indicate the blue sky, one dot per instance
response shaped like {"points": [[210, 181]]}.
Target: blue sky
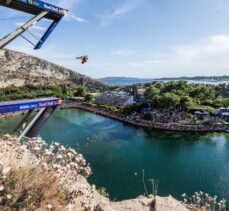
{"points": [[135, 38]]}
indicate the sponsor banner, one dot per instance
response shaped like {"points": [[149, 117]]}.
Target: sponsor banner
{"points": [[45, 6], [42, 104], [49, 103], [53, 8], [24, 107], [29, 106]]}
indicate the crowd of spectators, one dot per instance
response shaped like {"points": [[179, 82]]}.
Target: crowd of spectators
{"points": [[165, 121], [167, 116], [175, 116]]}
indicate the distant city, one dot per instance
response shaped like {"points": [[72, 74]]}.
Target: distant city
{"points": [[197, 79]]}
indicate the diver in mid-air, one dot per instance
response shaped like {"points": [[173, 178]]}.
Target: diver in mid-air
{"points": [[84, 59]]}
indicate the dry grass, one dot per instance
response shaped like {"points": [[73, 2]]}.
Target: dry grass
{"points": [[31, 189]]}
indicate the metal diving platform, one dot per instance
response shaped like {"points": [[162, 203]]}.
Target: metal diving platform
{"points": [[30, 125], [40, 10]]}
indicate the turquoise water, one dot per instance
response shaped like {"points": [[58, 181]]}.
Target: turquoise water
{"points": [[118, 153]]}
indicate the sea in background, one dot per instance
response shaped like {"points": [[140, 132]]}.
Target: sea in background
{"points": [[118, 153], [130, 81]]}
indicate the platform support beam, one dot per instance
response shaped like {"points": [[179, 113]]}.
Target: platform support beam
{"points": [[47, 34], [10, 37], [31, 128], [40, 122], [31, 124], [23, 122]]}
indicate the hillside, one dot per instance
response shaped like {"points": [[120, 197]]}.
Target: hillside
{"points": [[20, 69]]}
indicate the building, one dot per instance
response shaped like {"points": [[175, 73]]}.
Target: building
{"points": [[115, 99]]}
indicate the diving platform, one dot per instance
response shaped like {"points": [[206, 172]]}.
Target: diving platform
{"points": [[40, 10], [34, 7], [21, 105], [30, 125]]}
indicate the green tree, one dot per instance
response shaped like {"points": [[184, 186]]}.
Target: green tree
{"points": [[151, 93], [65, 91], [57, 91], [202, 92], [80, 92], [186, 101], [159, 85], [88, 97], [169, 100], [221, 102]]}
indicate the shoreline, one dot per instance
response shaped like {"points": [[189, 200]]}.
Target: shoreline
{"points": [[9, 115], [174, 127]]}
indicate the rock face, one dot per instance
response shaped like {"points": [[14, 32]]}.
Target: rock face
{"points": [[19, 69]]}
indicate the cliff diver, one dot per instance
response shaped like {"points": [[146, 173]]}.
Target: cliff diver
{"points": [[84, 59]]}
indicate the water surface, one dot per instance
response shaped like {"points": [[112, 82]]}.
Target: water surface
{"points": [[118, 153]]}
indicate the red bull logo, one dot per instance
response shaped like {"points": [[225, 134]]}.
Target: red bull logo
{"points": [[42, 104], [49, 103], [54, 9]]}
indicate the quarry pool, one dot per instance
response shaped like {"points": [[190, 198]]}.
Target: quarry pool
{"points": [[118, 153]]}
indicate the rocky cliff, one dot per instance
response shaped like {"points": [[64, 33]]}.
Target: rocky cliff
{"points": [[19, 69]]}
